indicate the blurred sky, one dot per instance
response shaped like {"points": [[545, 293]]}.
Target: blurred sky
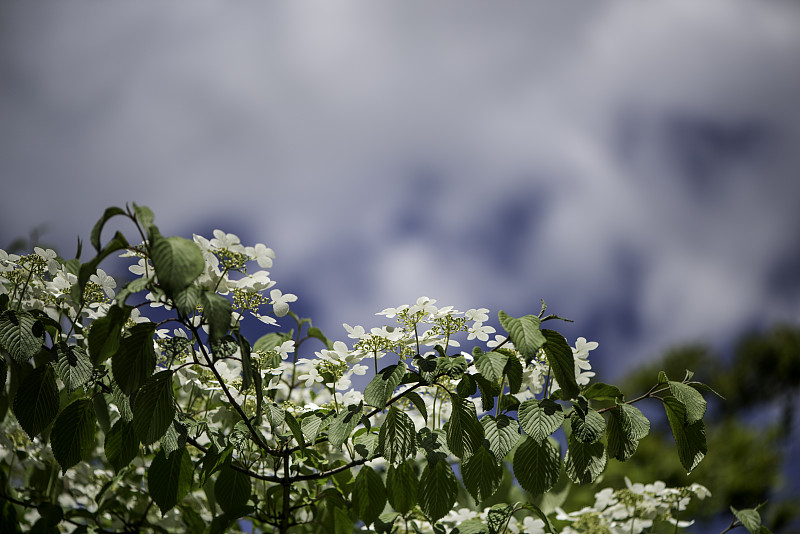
{"points": [[634, 164]]}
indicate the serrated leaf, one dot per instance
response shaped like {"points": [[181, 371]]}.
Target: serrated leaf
{"points": [[690, 438], [397, 437], [749, 518], [365, 443], [562, 363], [464, 431], [585, 461], [213, 461], [72, 437], [691, 399], [419, 404], [587, 426], [217, 311], [73, 366], [144, 216], [482, 474], [232, 489], [502, 433], [497, 517], [489, 390], [154, 408], [188, 299], [369, 495], [176, 260], [105, 333], [539, 419], [491, 365], [344, 424], [36, 401], [21, 335], [524, 333], [94, 237], [122, 402], [311, 425], [626, 426], [402, 486], [601, 391], [174, 438], [537, 465], [513, 373], [135, 359], [383, 385], [131, 288], [276, 414], [121, 445], [438, 489], [169, 478]]}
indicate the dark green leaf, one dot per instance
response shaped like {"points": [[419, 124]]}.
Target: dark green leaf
{"points": [[690, 438], [344, 424], [587, 426], [188, 299], [269, 341], [513, 372], [365, 443], [177, 261], [402, 486], [600, 391], [232, 489], [105, 333], [144, 216], [585, 461], [382, 386], [118, 242], [438, 489], [72, 437], [369, 495], [491, 365], [98, 226], [562, 363], [464, 431], [626, 426], [502, 433], [217, 311], [312, 424], [397, 436], [169, 478], [524, 333], [317, 333], [482, 474], [489, 390], [73, 366], [692, 400], [537, 465], [154, 408], [36, 402], [135, 359], [539, 419], [121, 444], [21, 335], [466, 387], [419, 404], [174, 438], [213, 461]]}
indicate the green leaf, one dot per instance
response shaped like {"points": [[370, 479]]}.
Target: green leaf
{"points": [[482, 474], [402, 486], [365, 443], [438, 489], [749, 518], [188, 299], [397, 436], [135, 359], [464, 431], [489, 390], [502, 433], [73, 366], [118, 242], [385, 522], [169, 478], [213, 461], [369, 495], [269, 341], [105, 333], [626, 426], [131, 288], [537, 465], [72, 437], [491, 365], [36, 402], [344, 424], [562, 363], [587, 426], [600, 391], [121, 444], [315, 332], [21, 335], [177, 261], [154, 408], [382, 386], [217, 311], [497, 517], [342, 522], [232, 489], [419, 404], [692, 400], [513, 372], [94, 238], [144, 215], [585, 461], [471, 526], [690, 438], [276, 415], [174, 438], [539, 419], [122, 402], [312, 424], [524, 333], [466, 386]]}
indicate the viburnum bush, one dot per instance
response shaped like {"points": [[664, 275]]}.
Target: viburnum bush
{"points": [[144, 408]]}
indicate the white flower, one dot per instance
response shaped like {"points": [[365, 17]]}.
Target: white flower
{"points": [[392, 312], [105, 282], [533, 526], [604, 498], [359, 369], [354, 332], [497, 341], [285, 348], [582, 347], [424, 305], [477, 315], [352, 397], [228, 241], [311, 377], [257, 281], [280, 301], [262, 254], [480, 331], [49, 256]]}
